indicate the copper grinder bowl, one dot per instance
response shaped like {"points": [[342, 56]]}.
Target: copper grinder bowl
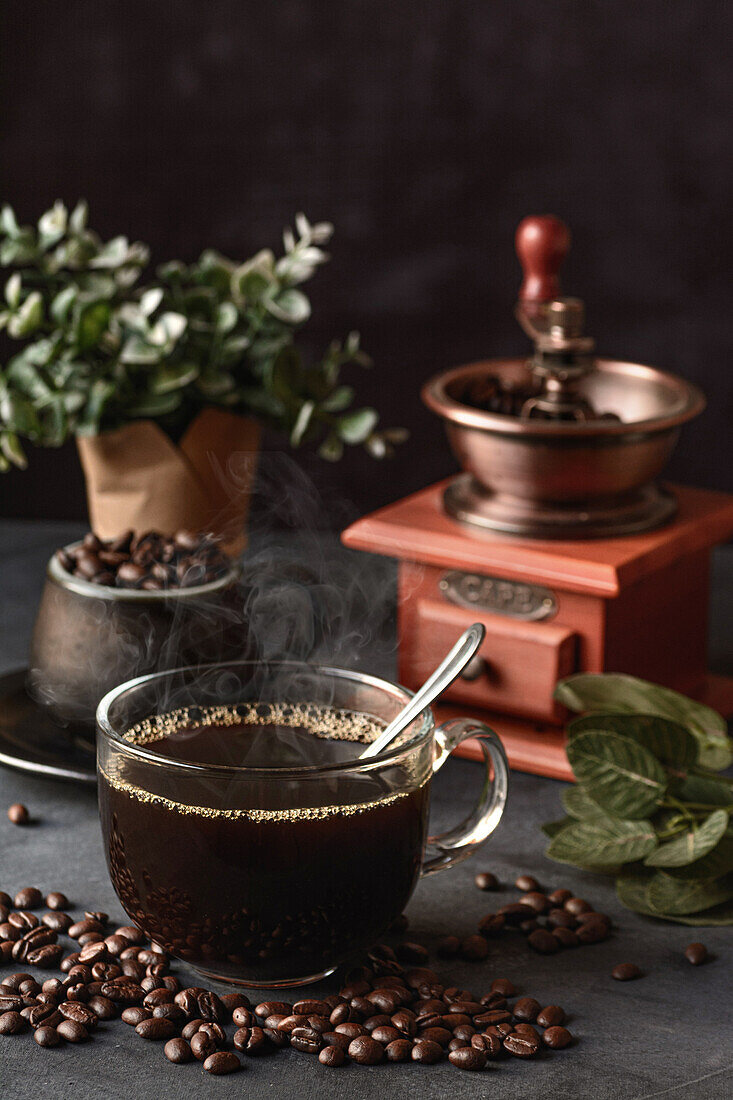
{"points": [[571, 466]]}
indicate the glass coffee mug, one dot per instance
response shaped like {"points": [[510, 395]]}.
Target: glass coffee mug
{"points": [[244, 834]]}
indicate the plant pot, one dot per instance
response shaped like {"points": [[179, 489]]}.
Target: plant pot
{"points": [[138, 478]]}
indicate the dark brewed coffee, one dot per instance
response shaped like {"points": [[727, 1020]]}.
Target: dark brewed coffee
{"points": [[272, 876]]}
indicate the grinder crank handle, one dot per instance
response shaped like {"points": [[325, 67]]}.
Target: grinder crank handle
{"points": [[542, 242]]}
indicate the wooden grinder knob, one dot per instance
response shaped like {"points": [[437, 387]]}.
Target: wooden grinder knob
{"points": [[542, 242]]}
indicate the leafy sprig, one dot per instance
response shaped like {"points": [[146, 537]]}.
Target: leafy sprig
{"points": [[649, 805], [99, 347]]}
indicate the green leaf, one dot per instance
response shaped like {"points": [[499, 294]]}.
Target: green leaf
{"points": [[552, 828], [226, 316], [621, 776], [668, 895], [631, 889], [136, 350], [701, 791], [692, 845], [79, 215], [614, 693], [302, 423], [62, 304], [52, 225], [670, 742], [13, 289], [603, 844], [150, 301], [357, 426], [27, 318], [339, 400], [291, 306], [12, 450], [8, 224], [173, 376], [579, 803], [91, 324], [716, 863], [332, 448], [154, 405]]}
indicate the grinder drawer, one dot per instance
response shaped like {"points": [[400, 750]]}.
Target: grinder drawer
{"points": [[515, 670]]}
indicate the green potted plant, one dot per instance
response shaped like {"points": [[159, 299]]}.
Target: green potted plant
{"points": [[166, 381]]}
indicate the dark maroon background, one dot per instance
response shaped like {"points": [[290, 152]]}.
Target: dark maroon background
{"points": [[425, 131]]}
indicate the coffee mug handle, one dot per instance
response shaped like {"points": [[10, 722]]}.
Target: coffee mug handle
{"points": [[459, 842]]}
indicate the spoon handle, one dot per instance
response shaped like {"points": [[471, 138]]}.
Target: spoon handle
{"points": [[444, 675]]}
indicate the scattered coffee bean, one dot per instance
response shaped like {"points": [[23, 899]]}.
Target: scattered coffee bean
{"points": [[560, 896], [366, 1051], [178, 1051], [557, 1038], [72, 1031], [527, 1009], [28, 898], [18, 814], [156, 1029], [57, 900], [626, 972], [47, 1036], [503, 986], [332, 1056], [425, 1051], [526, 882], [543, 942], [149, 561], [467, 1058], [413, 953], [474, 948], [223, 1061], [696, 953], [485, 880], [521, 1045], [12, 1023], [577, 906], [551, 1016], [449, 947]]}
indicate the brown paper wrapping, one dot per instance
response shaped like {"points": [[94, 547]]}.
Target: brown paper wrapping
{"points": [[137, 478]]}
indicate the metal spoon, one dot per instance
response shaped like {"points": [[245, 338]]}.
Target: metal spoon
{"points": [[444, 675]]}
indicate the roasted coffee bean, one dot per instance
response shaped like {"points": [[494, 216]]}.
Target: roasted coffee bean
{"points": [[385, 1034], [117, 946], [216, 1032], [123, 992], [566, 937], [132, 969], [440, 1035], [352, 1030], [577, 906], [489, 1043], [467, 1058], [242, 1017], [41, 1014], [26, 922], [77, 992], [224, 1061], [626, 972], [29, 987], [449, 947], [93, 952], [474, 948], [405, 1022], [6, 951], [485, 880], [332, 1038], [12, 1023], [72, 1031], [135, 1015], [28, 898], [11, 1002], [178, 1051], [557, 1037], [560, 896], [83, 926], [57, 900], [202, 1045], [250, 1040], [276, 1038], [593, 931], [495, 1016], [102, 1007], [399, 1050], [593, 918], [696, 953], [340, 1015], [311, 1008], [526, 1009], [516, 912], [536, 900], [78, 973], [412, 953], [132, 934], [271, 1008], [89, 937], [528, 926], [234, 1000], [285, 1023], [526, 882], [18, 814], [521, 1045], [464, 1032], [306, 1039], [543, 942], [156, 1029], [158, 997], [361, 1007], [551, 1016], [81, 1013], [425, 1051], [47, 1036], [59, 922], [191, 1028], [170, 1012], [366, 1051], [332, 1056], [9, 932], [385, 1000], [97, 915], [503, 986], [560, 918], [106, 972]]}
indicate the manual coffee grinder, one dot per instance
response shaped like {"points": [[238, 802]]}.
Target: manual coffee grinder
{"points": [[556, 536]]}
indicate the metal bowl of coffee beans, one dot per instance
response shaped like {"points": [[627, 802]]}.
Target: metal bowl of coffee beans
{"points": [[113, 609]]}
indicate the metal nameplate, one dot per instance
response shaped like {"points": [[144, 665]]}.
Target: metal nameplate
{"points": [[515, 599]]}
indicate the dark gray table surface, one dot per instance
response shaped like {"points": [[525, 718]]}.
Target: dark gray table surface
{"points": [[668, 1034]]}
